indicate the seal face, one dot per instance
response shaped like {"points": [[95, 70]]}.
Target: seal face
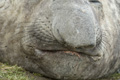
{"points": [[61, 39], [67, 26]]}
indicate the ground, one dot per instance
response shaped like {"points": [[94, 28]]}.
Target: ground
{"points": [[8, 72]]}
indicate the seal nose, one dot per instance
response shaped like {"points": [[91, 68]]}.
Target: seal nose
{"points": [[75, 28], [76, 32]]}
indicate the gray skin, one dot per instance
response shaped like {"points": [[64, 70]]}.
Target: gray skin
{"points": [[61, 39]]}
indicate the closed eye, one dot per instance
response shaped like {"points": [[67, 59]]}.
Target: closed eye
{"points": [[94, 1]]}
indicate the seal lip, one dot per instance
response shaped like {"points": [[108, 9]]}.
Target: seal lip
{"points": [[41, 53]]}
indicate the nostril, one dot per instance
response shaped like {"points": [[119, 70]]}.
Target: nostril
{"points": [[86, 47], [90, 46]]}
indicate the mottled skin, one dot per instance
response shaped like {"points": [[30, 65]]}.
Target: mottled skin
{"points": [[61, 39]]}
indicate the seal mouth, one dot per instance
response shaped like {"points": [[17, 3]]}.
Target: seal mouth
{"points": [[41, 53]]}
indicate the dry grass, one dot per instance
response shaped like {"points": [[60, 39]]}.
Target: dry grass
{"points": [[12, 73]]}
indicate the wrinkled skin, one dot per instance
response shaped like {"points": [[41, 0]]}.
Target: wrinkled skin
{"points": [[61, 39]]}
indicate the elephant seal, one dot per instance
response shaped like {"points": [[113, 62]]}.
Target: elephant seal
{"points": [[61, 39]]}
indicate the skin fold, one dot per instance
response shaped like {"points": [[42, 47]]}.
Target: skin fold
{"points": [[61, 39]]}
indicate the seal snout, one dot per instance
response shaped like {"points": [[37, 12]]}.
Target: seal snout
{"points": [[76, 30]]}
